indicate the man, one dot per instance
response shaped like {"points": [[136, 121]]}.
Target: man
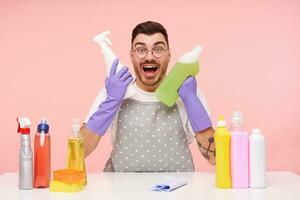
{"points": [[147, 135]]}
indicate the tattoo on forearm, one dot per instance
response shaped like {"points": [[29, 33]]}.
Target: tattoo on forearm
{"points": [[208, 149]]}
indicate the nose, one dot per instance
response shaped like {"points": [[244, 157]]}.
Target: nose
{"points": [[149, 55]]}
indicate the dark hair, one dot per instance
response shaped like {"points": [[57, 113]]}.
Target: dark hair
{"points": [[149, 28]]}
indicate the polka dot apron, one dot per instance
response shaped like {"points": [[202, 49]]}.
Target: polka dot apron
{"points": [[149, 138]]}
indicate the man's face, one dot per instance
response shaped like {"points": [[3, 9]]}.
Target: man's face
{"points": [[149, 69]]}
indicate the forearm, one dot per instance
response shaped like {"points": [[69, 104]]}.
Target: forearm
{"points": [[206, 144], [100, 121], [90, 140]]}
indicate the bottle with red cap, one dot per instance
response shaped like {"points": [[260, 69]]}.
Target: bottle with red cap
{"points": [[25, 155], [42, 155]]}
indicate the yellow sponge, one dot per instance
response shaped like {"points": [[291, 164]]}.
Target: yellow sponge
{"points": [[57, 186], [69, 176]]}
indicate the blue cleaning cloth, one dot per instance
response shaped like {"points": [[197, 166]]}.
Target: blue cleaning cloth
{"points": [[169, 185]]}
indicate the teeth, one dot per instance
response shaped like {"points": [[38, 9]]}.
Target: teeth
{"points": [[150, 67]]}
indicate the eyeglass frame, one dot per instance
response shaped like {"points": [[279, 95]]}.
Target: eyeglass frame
{"points": [[164, 50]]}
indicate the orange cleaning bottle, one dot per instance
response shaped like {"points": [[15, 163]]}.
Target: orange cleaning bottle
{"points": [[42, 156]]}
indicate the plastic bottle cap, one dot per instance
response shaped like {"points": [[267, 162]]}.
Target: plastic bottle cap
{"points": [[43, 120], [221, 122], [256, 131], [198, 49], [75, 127], [237, 117], [43, 127], [191, 56]]}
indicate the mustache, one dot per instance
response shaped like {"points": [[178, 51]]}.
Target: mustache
{"points": [[149, 63]]}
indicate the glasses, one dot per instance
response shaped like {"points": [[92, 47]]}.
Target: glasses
{"points": [[142, 52]]}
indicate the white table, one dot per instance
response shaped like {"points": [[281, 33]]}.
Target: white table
{"points": [[106, 186]]}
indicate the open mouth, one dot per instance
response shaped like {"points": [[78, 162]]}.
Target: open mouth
{"points": [[150, 69]]}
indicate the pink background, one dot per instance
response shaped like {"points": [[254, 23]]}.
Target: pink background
{"points": [[51, 68]]}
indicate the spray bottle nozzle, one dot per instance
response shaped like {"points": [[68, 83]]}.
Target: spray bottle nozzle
{"points": [[75, 127], [102, 37], [23, 125]]}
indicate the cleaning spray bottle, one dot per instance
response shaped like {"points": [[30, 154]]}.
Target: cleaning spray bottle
{"points": [[109, 57], [75, 150], [25, 155], [187, 65], [257, 159], [42, 156], [239, 152], [222, 139]]}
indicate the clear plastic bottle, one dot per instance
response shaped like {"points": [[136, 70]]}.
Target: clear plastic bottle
{"points": [[75, 150], [257, 159], [42, 156], [25, 155], [239, 152]]}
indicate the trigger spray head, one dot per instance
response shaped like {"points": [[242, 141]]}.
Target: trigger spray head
{"points": [[102, 38], [23, 125]]}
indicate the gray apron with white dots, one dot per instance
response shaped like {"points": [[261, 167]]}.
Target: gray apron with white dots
{"points": [[149, 138]]}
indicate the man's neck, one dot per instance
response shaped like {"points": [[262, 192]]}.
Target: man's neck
{"points": [[146, 88]]}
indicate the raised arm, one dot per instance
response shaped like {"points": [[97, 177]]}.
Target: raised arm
{"points": [[199, 119], [98, 123]]}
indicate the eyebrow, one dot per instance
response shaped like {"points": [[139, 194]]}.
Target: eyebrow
{"points": [[140, 43], [159, 42], [156, 43]]}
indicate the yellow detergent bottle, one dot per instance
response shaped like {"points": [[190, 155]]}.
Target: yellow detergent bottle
{"points": [[75, 150], [222, 140]]}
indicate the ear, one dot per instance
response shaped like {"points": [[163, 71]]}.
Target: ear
{"points": [[169, 54], [131, 55]]}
